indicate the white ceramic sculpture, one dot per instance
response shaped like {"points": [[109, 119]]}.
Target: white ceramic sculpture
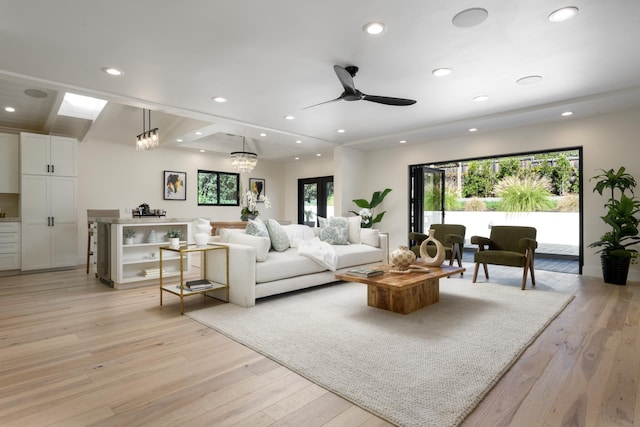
{"points": [[203, 231]]}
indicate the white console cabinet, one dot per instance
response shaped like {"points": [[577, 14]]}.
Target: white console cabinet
{"points": [[9, 246], [139, 260]]}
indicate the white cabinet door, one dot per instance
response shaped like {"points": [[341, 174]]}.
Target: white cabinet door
{"points": [[9, 161], [34, 154], [49, 222], [48, 155]]}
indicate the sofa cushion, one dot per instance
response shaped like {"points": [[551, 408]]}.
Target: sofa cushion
{"points": [[297, 233], [358, 254], [225, 233], [261, 243], [286, 264], [335, 235], [354, 229], [279, 238], [256, 227], [370, 237]]}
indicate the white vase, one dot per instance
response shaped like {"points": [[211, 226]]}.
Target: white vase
{"points": [[438, 258]]}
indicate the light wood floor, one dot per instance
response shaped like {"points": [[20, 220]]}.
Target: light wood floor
{"points": [[75, 352]]}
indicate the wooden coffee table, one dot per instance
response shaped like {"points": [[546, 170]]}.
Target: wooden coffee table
{"points": [[403, 293]]}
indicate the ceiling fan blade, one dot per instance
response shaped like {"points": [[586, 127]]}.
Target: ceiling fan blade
{"points": [[345, 78], [325, 102], [388, 100]]}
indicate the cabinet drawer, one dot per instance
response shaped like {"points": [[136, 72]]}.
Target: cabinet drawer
{"points": [[8, 238], [9, 227], [9, 262], [9, 248]]}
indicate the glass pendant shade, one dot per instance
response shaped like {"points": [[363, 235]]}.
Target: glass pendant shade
{"points": [[148, 139], [244, 161]]}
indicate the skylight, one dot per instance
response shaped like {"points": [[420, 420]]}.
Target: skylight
{"points": [[81, 107]]}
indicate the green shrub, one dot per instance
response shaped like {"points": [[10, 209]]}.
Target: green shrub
{"points": [[568, 203], [526, 194], [475, 205]]}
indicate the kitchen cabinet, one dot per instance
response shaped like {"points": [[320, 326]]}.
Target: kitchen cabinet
{"points": [[9, 163], [9, 246], [49, 222], [48, 155]]}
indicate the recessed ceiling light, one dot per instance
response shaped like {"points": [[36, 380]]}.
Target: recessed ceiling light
{"points": [[219, 99], [296, 158], [470, 17], [198, 133], [9, 109], [202, 151], [529, 80], [441, 72], [179, 140], [341, 131], [567, 114], [481, 98], [298, 142], [263, 134], [563, 14], [403, 141], [473, 129], [112, 71], [289, 117], [373, 28], [318, 155]]}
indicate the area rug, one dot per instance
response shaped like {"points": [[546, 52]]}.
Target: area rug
{"points": [[427, 368]]}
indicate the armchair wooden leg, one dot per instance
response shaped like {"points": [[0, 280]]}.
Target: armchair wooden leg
{"points": [[475, 272], [455, 254], [486, 271]]}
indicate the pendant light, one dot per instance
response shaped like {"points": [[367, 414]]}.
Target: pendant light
{"points": [[148, 139], [244, 161]]}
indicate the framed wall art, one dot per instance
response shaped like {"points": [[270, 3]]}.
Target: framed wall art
{"points": [[175, 185], [257, 186]]}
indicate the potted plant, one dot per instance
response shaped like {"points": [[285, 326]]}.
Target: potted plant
{"points": [[622, 210], [174, 237], [129, 234], [366, 213]]}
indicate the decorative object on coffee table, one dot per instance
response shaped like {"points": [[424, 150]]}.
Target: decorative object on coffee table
{"points": [[438, 258], [402, 258]]}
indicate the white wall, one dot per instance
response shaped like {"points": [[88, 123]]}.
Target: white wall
{"points": [[294, 171]]}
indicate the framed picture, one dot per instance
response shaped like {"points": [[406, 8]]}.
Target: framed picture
{"points": [[175, 185], [218, 188], [257, 187]]}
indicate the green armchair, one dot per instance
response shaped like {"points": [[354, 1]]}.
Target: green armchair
{"points": [[507, 245], [450, 235]]}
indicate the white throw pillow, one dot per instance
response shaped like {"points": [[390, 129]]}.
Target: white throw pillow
{"points": [[262, 244], [279, 239], [225, 233], [297, 233], [354, 229], [369, 236]]}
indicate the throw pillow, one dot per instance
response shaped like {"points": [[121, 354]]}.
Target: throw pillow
{"points": [[262, 244], [225, 233], [257, 228], [279, 239], [322, 222], [335, 235], [370, 237], [354, 229], [297, 233]]}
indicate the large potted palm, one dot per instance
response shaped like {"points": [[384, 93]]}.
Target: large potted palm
{"points": [[615, 252]]}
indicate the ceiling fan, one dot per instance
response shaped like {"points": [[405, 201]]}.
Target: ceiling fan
{"points": [[345, 75]]}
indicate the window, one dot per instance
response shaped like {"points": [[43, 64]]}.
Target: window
{"points": [[218, 188], [315, 198]]}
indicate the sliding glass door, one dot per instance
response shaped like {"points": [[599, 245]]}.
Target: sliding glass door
{"points": [[315, 198]]}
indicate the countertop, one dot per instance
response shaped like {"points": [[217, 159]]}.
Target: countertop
{"points": [[14, 219], [147, 220]]}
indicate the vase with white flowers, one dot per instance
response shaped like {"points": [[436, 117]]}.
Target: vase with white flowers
{"points": [[249, 204], [366, 213]]}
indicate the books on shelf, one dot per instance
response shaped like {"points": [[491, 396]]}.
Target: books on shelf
{"points": [[364, 272], [198, 285]]}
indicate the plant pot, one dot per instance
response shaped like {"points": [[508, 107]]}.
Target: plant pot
{"points": [[174, 242], [615, 269], [128, 240]]}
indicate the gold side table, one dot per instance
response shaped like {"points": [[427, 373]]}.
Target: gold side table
{"points": [[181, 289]]}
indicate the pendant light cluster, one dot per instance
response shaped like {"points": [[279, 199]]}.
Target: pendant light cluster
{"points": [[244, 161], [148, 139]]}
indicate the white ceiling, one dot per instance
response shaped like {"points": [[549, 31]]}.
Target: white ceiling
{"points": [[273, 58]]}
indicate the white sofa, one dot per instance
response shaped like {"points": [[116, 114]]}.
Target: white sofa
{"points": [[284, 271]]}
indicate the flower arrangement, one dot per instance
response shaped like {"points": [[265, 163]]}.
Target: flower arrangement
{"points": [[173, 234], [249, 204], [367, 218]]}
